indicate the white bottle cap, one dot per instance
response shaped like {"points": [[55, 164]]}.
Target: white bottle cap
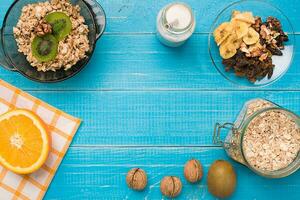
{"points": [[175, 24], [178, 17]]}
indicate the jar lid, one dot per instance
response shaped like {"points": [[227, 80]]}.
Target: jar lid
{"points": [[178, 18]]}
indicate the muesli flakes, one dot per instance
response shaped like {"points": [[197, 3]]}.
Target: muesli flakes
{"points": [[271, 141], [70, 50]]}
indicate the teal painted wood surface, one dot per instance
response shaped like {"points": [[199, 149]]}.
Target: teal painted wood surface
{"points": [[145, 105], [99, 173], [156, 118]]}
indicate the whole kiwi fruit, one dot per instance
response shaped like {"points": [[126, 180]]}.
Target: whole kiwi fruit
{"points": [[221, 179]]}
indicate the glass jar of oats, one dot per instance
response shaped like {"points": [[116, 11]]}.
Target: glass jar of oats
{"points": [[265, 138]]}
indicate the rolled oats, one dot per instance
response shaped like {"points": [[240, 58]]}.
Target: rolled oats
{"points": [[257, 105], [271, 141], [70, 50]]}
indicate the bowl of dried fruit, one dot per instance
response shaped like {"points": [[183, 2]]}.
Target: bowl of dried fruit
{"points": [[50, 40], [252, 43]]}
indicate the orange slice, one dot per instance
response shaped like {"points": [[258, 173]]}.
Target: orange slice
{"points": [[24, 142]]}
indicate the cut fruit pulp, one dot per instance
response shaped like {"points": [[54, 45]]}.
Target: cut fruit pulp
{"points": [[24, 141]]}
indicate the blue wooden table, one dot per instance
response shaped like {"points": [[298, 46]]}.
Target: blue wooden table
{"points": [[149, 106]]}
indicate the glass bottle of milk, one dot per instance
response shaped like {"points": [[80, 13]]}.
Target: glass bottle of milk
{"points": [[175, 24]]}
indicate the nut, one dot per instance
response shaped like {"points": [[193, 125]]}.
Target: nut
{"points": [[43, 28], [193, 171], [136, 179], [170, 186], [27, 28]]}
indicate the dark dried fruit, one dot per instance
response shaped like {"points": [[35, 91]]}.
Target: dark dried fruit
{"points": [[274, 49], [258, 23], [276, 37], [250, 67], [255, 63], [275, 25]]}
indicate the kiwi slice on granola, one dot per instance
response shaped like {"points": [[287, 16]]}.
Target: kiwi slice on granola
{"points": [[61, 24], [44, 48]]}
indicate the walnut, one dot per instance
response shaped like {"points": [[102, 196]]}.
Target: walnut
{"points": [[193, 171], [255, 50], [136, 179], [258, 23], [265, 32], [54, 2], [244, 48], [170, 186], [263, 57], [78, 44], [43, 28]]}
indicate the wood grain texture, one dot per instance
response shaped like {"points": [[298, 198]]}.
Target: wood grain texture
{"points": [[140, 62], [132, 61], [157, 118], [146, 105], [138, 17], [99, 173]]}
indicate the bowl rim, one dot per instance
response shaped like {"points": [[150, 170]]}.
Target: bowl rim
{"points": [[292, 34], [83, 65]]}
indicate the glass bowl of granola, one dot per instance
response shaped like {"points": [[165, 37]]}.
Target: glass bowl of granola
{"points": [[51, 40], [252, 43]]}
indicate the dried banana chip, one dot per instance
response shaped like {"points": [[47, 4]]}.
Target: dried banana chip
{"points": [[227, 50], [245, 17], [222, 32], [251, 37], [235, 13], [240, 28], [233, 39]]}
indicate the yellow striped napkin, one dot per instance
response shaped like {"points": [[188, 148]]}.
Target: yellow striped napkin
{"points": [[62, 128]]}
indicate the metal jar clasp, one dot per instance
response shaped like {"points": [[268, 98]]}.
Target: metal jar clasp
{"points": [[217, 132]]}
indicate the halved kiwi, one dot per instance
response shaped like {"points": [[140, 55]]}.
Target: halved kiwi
{"points": [[61, 24], [44, 49]]}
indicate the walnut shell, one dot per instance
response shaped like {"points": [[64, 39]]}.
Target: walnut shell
{"points": [[136, 179], [170, 186], [193, 171]]}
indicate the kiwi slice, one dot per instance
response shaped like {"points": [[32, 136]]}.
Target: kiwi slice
{"points": [[44, 49], [61, 24]]}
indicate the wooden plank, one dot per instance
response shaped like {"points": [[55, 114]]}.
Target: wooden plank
{"points": [[158, 117], [131, 16], [99, 173], [140, 62]]}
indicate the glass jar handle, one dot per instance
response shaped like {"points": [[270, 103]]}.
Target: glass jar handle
{"points": [[99, 16], [217, 132]]}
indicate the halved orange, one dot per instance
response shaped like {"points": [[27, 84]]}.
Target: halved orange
{"points": [[24, 141]]}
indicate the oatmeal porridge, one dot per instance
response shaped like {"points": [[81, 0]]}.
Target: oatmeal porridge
{"points": [[52, 35]]}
